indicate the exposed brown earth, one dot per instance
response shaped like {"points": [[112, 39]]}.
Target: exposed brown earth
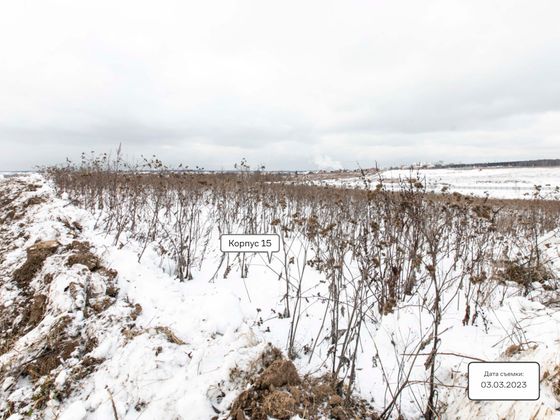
{"points": [[278, 391], [56, 343]]}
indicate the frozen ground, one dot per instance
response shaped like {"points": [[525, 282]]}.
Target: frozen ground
{"points": [[494, 182], [143, 373], [166, 349]]}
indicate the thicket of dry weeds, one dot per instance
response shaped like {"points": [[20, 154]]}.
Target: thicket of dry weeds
{"points": [[374, 248]]}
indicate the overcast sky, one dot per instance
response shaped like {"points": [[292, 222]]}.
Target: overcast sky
{"points": [[290, 84]]}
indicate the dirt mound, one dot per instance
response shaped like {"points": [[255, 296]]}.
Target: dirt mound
{"points": [[29, 310], [47, 356], [278, 391], [34, 201], [83, 256], [36, 311], [36, 256], [87, 258], [279, 404], [278, 374]]}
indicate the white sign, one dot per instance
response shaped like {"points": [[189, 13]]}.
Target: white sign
{"points": [[504, 381], [266, 243]]}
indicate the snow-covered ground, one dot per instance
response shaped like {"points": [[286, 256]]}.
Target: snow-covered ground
{"points": [[492, 182], [166, 348], [143, 374]]}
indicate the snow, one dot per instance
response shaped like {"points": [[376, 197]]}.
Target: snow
{"points": [[144, 375], [75, 411], [541, 328], [506, 183], [178, 379], [494, 182]]}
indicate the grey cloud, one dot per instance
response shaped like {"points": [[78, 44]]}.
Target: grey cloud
{"points": [[467, 103], [290, 85]]}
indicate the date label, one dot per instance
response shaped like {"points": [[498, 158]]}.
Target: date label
{"points": [[504, 381], [266, 243]]}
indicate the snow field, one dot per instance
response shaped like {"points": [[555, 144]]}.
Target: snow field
{"points": [[227, 322]]}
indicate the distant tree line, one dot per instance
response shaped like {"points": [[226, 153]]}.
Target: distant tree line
{"points": [[515, 164]]}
